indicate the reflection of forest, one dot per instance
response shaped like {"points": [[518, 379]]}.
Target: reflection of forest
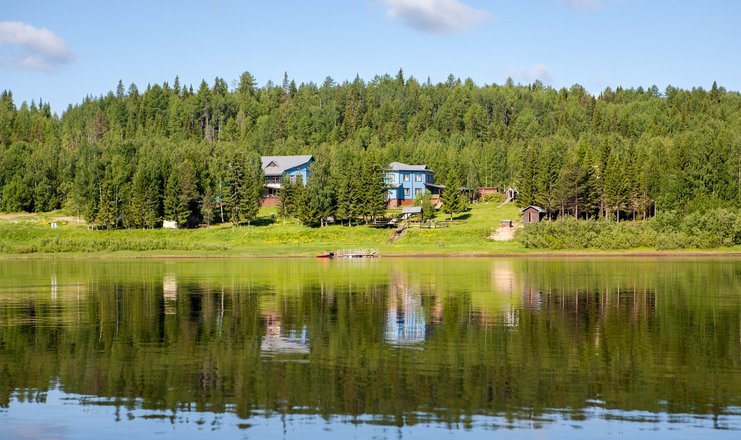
{"points": [[516, 338]]}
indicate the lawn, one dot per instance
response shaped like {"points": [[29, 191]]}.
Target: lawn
{"points": [[467, 233], [270, 236]]}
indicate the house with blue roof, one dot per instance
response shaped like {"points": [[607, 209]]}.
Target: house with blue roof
{"points": [[278, 169], [406, 182]]}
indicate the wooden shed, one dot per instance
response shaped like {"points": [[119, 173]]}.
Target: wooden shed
{"points": [[485, 191], [532, 214]]}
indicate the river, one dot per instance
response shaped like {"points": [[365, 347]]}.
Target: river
{"points": [[383, 348]]}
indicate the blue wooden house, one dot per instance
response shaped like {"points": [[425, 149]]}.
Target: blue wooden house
{"points": [[408, 181], [279, 168]]}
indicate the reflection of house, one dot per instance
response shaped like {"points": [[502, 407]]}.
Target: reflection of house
{"points": [[405, 320], [275, 341], [170, 292], [408, 181], [279, 168]]}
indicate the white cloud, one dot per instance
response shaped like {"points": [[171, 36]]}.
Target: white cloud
{"points": [[529, 74], [584, 5], [26, 47], [436, 16]]}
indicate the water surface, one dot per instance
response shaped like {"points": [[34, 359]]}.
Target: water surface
{"points": [[410, 348]]}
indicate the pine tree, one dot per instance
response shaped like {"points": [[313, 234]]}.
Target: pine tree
{"points": [[188, 192], [252, 187], [321, 194], [106, 204], [424, 200], [301, 202], [370, 188], [286, 208], [343, 183], [172, 200], [615, 187], [207, 204], [453, 201]]}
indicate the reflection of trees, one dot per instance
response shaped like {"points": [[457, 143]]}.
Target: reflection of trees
{"points": [[631, 342]]}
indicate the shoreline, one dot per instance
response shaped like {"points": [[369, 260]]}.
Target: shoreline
{"points": [[538, 254]]}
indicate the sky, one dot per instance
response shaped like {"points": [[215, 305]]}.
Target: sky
{"points": [[63, 51]]}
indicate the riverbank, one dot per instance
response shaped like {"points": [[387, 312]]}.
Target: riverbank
{"points": [[31, 235]]}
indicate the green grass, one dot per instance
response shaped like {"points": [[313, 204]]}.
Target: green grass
{"points": [[467, 234]]}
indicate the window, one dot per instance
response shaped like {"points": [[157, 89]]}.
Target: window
{"points": [[417, 177], [389, 178], [406, 192], [417, 191], [406, 177]]}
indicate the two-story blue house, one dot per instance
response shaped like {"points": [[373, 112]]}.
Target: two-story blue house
{"points": [[278, 168], [408, 181]]}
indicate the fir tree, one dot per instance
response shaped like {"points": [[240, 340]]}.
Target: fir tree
{"points": [[286, 207], [321, 194], [424, 200], [106, 204], [452, 199]]}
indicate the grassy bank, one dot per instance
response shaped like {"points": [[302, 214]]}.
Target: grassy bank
{"points": [[467, 234]]}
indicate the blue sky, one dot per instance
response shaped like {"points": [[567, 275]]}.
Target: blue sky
{"points": [[63, 51]]}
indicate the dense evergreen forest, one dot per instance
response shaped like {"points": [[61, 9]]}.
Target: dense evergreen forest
{"points": [[133, 158]]}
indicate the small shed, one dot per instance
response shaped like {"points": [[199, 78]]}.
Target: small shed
{"points": [[485, 191], [532, 214], [506, 224]]}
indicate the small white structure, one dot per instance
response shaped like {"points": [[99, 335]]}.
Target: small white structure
{"points": [[167, 224], [54, 225]]}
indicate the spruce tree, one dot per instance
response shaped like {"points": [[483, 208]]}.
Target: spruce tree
{"points": [[425, 202], [106, 204], [188, 192], [453, 201], [286, 199], [252, 188], [173, 211], [321, 194]]}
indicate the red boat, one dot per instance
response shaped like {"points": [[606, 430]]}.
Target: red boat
{"points": [[326, 254]]}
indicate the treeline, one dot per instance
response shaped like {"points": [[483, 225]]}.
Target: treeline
{"points": [[132, 158]]}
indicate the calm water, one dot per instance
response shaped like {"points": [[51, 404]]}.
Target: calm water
{"points": [[399, 348]]}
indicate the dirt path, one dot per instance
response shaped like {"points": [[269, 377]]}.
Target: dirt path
{"points": [[505, 233], [31, 215]]}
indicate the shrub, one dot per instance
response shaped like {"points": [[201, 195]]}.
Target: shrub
{"points": [[718, 227]]}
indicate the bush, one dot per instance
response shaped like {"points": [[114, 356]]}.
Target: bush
{"points": [[720, 227], [494, 198]]}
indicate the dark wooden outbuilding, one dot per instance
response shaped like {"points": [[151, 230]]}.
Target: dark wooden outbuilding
{"points": [[485, 191], [532, 214]]}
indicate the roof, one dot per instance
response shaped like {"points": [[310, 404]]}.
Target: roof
{"points": [[537, 208], [411, 210], [398, 166], [433, 185], [277, 165]]}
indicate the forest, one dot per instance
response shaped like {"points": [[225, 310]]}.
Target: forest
{"points": [[132, 158]]}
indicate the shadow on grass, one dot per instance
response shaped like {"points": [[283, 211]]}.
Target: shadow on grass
{"points": [[260, 221]]}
